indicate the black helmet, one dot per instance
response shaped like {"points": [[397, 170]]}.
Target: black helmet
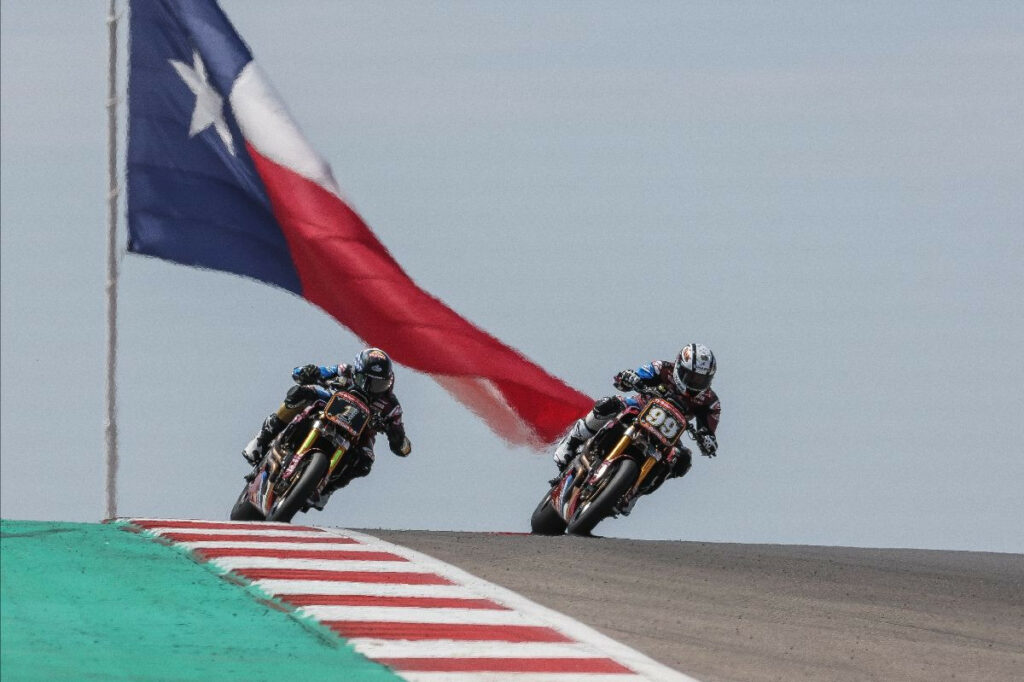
{"points": [[695, 368], [371, 371]]}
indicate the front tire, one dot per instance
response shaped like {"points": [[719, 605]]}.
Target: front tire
{"points": [[309, 479], [244, 510], [545, 520], [601, 506]]}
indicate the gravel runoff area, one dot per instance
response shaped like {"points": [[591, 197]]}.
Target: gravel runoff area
{"points": [[768, 612]]}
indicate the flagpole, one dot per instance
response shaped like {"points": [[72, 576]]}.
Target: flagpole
{"points": [[110, 426]]}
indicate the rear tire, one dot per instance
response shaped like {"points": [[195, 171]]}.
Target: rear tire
{"points": [[601, 506], [545, 520], [309, 479], [244, 510]]}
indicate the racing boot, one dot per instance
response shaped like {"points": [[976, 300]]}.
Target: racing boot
{"points": [[257, 447], [361, 467], [579, 434], [585, 428], [318, 500], [624, 508]]}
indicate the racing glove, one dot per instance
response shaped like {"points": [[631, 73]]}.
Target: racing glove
{"points": [[707, 443], [400, 446], [626, 380], [307, 374]]}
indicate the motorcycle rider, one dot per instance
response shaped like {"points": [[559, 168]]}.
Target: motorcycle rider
{"points": [[687, 381], [371, 372]]}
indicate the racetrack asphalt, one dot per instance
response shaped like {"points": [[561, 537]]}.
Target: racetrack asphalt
{"points": [[767, 612]]}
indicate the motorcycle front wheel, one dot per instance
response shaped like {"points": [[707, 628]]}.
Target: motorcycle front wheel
{"points": [[545, 520], [244, 510], [308, 478], [600, 506]]}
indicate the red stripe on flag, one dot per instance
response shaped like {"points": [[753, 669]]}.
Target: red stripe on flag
{"points": [[346, 271], [396, 577], [453, 631], [372, 600], [231, 537], [152, 523], [506, 665], [326, 554]]}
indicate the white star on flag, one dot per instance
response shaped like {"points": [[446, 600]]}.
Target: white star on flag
{"points": [[209, 104]]}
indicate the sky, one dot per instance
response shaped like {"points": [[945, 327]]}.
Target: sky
{"points": [[829, 195]]}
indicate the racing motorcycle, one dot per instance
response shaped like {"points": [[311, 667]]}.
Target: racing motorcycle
{"points": [[626, 458], [310, 449]]}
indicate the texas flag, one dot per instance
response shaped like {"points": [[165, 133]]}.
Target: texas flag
{"points": [[219, 176]]}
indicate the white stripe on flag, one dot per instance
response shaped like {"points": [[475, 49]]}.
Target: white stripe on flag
{"points": [[267, 126]]}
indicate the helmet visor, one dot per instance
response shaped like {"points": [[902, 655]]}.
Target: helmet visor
{"points": [[375, 385], [692, 380]]}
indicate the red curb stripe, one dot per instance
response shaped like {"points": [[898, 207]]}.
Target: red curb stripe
{"points": [[336, 554], [506, 665], [454, 631], [230, 537], [396, 577], [219, 524], [371, 600]]}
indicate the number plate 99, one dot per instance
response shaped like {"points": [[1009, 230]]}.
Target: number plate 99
{"points": [[663, 421]]}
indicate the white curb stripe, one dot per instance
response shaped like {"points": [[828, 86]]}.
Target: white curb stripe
{"points": [[389, 648], [232, 563], [304, 546], [251, 530], [367, 616], [405, 614], [201, 523], [286, 587], [519, 677], [628, 657]]}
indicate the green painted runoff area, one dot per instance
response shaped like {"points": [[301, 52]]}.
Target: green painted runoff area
{"points": [[91, 601]]}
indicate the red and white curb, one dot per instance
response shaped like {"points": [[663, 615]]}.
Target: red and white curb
{"points": [[425, 619]]}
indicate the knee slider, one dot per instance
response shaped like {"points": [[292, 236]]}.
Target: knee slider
{"points": [[299, 394], [608, 407], [604, 409]]}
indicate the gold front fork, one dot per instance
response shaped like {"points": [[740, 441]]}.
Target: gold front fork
{"points": [[644, 470], [623, 443], [308, 443], [335, 459]]}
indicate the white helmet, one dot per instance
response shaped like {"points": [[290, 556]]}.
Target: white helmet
{"points": [[695, 368]]}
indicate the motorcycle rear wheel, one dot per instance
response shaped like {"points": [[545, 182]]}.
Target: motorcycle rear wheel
{"points": [[545, 520], [309, 478], [601, 506]]}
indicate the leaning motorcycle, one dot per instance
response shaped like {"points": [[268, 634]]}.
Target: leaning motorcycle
{"points": [[625, 459], [298, 463]]}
